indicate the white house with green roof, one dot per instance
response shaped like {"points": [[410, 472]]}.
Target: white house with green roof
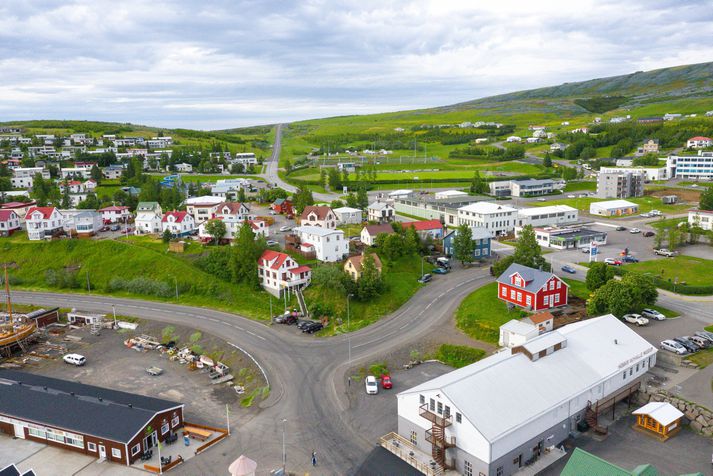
{"points": [[148, 218]]}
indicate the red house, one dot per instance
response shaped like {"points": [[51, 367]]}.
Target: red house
{"points": [[531, 289], [283, 206]]}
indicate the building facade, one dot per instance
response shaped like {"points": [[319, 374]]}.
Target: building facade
{"points": [[531, 289], [613, 208], [701, 218], [547, 216], [329, 245], [481, 240], [321, 216], [497, 219], [620, 184], [43, 222], [279, 273]]}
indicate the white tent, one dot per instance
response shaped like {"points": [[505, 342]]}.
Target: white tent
{"points": [[242, 466]]}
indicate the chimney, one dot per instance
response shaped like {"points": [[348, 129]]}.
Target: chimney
{"points": [[616, 341]]}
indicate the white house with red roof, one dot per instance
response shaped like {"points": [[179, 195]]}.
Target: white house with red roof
{"points": [[21, 208], [699, 142], [9, 222], [178, 223], [531, 288], [432, 228], [278, 272], [43, 222], [321, 216], [115, 214], [73, 186], [203, 208]]}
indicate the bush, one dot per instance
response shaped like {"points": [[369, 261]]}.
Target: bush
{"points": [[217, 263], [141, 285], [61, 278], [458, 355]]}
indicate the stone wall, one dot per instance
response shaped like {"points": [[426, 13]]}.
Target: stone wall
{"points": [[700, 418]]}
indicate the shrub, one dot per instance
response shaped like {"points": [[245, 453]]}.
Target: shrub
{"points": [[458, 355], [141, 285], [61, 278]]}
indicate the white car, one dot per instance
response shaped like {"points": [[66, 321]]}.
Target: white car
{"points": [[541, 199], [653, 314], [371, 386], [271, 243], [75, 359], [673, 346], [634, 230], [637, 319], [570, 196], [285, 228]]}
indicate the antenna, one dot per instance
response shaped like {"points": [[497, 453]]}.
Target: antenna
{"points": [[8, 301]]}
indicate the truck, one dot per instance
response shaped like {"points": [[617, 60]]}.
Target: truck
{"points": [[665, 252]]}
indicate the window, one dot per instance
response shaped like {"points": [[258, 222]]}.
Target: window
{"points": [[631, 371], [413, 438], [547, 300], [74, 440], [557, 298], [135, 449], [552, 285], [519, 297], [447, 412], [637, 367], [528, 300], [164, 428], [512, 294], [432, 404], [458, 417], [116, 453], [91, 446], [559, 284], [624, 376], [467, 468], [504, 292], [55, 435], [421, 399], [37, 433], [499, 471], [440, 408]]}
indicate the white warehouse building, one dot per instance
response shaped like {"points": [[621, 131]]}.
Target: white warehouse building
{"points": [[496, 414], [497, 219], [553, 215]]}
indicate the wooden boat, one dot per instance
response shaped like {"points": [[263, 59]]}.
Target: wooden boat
{"points": [[12, 334]]}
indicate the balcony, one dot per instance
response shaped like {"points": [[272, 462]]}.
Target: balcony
{"points": [[441, 442], [432, 417]]}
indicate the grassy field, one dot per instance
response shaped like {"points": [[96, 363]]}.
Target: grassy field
{"points": [[580, 186], [578, 288], [646, 204], [702, 358], [191, 178], [481, 314], [691, 270], [458, 356]]}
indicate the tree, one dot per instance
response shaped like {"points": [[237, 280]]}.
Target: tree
{"points": [[302, 199], [242, 198], [527, 251], [598, 275], [501, 265], [352, 200], [463, 244], [547, 161], [370, 283], [392, 246], [642, 288], [96, 174], [166, 235], [66, 197], [614, 297], [245, 255], [336, 204], [412, 242], [672, 235], [706, 202], [478, 185], [335, 181], [362, 198], [216, 229]]}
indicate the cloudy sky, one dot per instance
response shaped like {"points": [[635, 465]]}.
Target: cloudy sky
{"points": [[224, 63]]}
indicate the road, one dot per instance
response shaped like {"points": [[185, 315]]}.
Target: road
{"points": [[307, 375]]}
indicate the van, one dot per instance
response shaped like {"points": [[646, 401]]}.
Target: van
{"points": [[75, 359]]}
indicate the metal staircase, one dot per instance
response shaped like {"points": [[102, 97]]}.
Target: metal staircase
{"points": [[437, 436], [592, 419], [301, 301]]}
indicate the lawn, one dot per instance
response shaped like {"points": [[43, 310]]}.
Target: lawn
{"points": [[702, 358], [458, 356], [577, 288], [580, 186], [691, 270], [190, 178], [481, 314], [646, 204], [667, 222]]}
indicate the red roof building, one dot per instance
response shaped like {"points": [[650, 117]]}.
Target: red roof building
{"points": [[531, 289], [9, 222], [426, 227], [279, 273]]}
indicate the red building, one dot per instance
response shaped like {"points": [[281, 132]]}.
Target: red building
{"points": [[531, 289], [283, 206]]}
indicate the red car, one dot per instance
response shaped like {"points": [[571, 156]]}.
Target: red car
{"points": [[386, 382]]}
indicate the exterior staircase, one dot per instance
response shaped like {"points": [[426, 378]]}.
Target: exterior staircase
{"points": [[592, 420], [302, 303], [437, 436]]}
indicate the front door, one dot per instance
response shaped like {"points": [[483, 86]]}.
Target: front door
{"points": [[102, 452], [19, 431]]}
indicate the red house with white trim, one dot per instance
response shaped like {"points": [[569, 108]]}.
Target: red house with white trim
{"points": [[531, 289]]}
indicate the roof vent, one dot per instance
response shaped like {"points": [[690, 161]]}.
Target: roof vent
{"points": [[131, 405], [101, 399], [616, 341]]}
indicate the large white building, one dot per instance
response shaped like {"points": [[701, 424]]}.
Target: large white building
{"points": [[649, 173], [493, 416], [329, 245], [202, 208], [701, 218], [148, 218], [611, 208], [497, 219], [23, 177], [547, 216], [692, 167]]}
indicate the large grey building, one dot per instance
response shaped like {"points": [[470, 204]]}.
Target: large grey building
{"points": [[620, 184]]}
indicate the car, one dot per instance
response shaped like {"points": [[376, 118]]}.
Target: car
{"points": [[690, 346], [613, 262], [568, 269], [694, 185], [648, 234], [288, 318], [75, 359], [585, 249], [425, 278], [271, 243], [699, 341], [645, 215], [115, 228], [386, 382], [312, 328], [302, 323], [285, 228], [653, 314], [633, 231], [705, 334], [665, 252], [570, 196], [272, 212], [620, 228], [637, 319], [541, 199], [443, 262], [673, 346], [630, 259], [440, 271], [371, 387], [655, 213]]}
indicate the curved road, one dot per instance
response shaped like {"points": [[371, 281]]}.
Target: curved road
{"points": [[307, 375]]}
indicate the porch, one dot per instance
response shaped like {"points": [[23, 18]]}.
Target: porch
{"points": [[410, 453]]}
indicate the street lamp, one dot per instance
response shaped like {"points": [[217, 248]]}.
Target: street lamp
{"points": [[284, 452]]}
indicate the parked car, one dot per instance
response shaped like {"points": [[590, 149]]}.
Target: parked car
{"points": [[115, 228], [645, 215], [440, 271], [699, 341], [443, 262], [287, 318], [665, 252], [705, 335], [648, 234], [271, 243], [568, 269], [541, 199], [585, 249], [371, 387], [620, 228], [285, 228], [637, 319], [634, 231], [613, 261], [75, 359], [302, 323], [689, 345], [386, 382], [630, 259], [673, 346], [570, 196], [312, 328], [653, 314], [425, 278]]}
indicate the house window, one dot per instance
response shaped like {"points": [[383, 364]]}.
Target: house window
{"points": [[164, 428], [559, 285], [413, 438], [512, 294], [37, 433], [624, 376], [421, 399], [91, 446], [432, 404], [504, 292], [631, 371], [74, 440], [135, 449], [458, 417], [557, 298], [519, 297], [528, 300], [552, 285], [467, 468], [447, 412], [440, 408], [174, 421], [547, 300], [499, 471], [116, 453]]}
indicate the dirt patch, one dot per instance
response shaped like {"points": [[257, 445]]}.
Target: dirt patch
{"points": [[684, 195]]}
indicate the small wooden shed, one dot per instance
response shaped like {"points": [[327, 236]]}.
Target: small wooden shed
{"points": [[661, 418]]}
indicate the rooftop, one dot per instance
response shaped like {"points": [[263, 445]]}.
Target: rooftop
{"points": [[317, 230], [486, 208], [615, 204], [533, 211]]}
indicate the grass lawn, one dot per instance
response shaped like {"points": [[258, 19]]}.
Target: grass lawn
{"points": [[481, 314], [580, 186], [577, 288], [646, 204], [702, 358], [458, 356], [691, 270], [667, 222]]}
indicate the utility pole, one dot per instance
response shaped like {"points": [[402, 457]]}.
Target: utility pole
{"points": [[175, 280], [89, 288], [284, 452], [113, 308]]}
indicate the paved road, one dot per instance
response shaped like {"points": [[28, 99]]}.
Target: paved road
{"points": [[307, 374]]}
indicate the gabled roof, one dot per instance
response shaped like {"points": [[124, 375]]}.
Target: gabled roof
{"points": [[269, 255], [379, 206], [374, 230], [357, 261], [582, 463], [46, 212], [5, 215], [662, 412], [317, 230], [534, 278], [698, 138], [424, 225], [113, 208], [320, 211], [147, 206], [300, 269], [540, 317], [178, 216], [17, 204], [233, 208]]}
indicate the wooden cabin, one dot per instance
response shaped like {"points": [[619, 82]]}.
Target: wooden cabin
{"points": [[661, 418]]}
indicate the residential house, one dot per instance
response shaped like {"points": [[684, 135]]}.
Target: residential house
{"points": [[148, 218], [229, 189], [432, 228], [328, 244], [650, 146], [70, 173], [348, 215], [83, 223], [184, 168], [202, 208], [23, 177], [701, 218], [113, 172], [321, 216], [9, 222], [115, 214], [613, 208], [42, 222], [514, 139], [179, 224], [496, 218], [531, 289], [699, 142], [557, 146], [380, 212], [234, 214], [353, 266], [283, 206], [278, 272], [106, 424], [370, 232], [481, 239]]}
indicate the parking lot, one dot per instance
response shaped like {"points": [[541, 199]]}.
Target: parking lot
{"points": [[280, 221]]}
